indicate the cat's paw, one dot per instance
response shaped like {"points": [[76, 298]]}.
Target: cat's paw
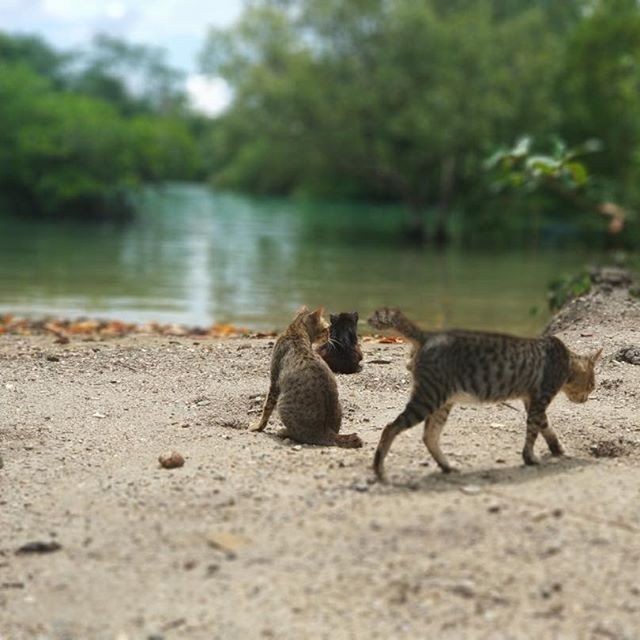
{"points": [[530, 459], [449, 469], [556, 450], [257, 426]]}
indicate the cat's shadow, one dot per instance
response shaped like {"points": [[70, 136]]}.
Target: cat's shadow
{"points": [[473, 480]]}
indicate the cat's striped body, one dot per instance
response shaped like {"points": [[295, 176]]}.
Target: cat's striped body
{"points": [[462, 366]]}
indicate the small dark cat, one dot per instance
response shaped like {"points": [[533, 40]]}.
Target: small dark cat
{"points": [[458, 366], [341, 351], [304, 388]]}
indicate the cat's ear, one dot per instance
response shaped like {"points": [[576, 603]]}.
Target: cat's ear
{"points": [[595, 356], [317, 314], [301, 310], [355, 317]]}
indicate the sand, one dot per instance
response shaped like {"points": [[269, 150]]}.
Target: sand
{"points": [[259, 538]]}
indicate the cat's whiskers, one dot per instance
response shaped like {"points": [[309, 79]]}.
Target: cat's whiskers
{"points": [[332, 341]]}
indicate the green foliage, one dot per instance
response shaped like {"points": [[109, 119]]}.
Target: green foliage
{"points": [[518, 167], [567, 288], [79, 144], [393, 100], [134, 78], [600, 91], [57, 143], [563, 173], [402, 100], [36, 54]]}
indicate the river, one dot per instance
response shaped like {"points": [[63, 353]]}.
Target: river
{"points": [[196, 257]]}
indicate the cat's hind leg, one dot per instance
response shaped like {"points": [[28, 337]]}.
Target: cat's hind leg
{"points": [[431, 436], [413, 413], [269, 406]]}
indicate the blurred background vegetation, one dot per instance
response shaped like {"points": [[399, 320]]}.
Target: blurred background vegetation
{"points": [[480, 123], [377, 100]]}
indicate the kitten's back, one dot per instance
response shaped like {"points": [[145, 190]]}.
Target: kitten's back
{"points": [[308, 402]]}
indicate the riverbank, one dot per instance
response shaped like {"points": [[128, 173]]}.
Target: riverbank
{"points": [[258, 538]]}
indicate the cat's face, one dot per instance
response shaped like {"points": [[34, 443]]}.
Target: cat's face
{"points": [[344, 328], [316, 326], [383, 318], [582, 378]]}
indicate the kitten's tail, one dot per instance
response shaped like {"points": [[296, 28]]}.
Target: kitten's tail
{"points": [[348, 441], [394, 319]]}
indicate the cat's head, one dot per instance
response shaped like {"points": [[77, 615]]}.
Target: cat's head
{"points": [[384, 318], [314, 324], [582, 379], [344, 328]]}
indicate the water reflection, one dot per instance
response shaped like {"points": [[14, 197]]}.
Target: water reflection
{"points": [[197, 257]]}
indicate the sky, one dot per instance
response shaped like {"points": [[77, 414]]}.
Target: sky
{"points": [[179, 26]]}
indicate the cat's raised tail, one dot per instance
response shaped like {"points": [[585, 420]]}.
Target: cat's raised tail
{"points": [[386, 318]]}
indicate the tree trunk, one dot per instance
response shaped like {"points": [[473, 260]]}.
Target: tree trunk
{"points": [[415, 229], [447, 181]]}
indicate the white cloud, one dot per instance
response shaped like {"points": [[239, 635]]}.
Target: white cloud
{"points": [[178, 25], [116, 10], [208, 95], [71, 10]]}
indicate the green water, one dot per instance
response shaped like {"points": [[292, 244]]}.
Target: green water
{"points": [[197, 257]]}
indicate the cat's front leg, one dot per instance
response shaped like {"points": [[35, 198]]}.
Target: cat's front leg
{"points": [[267, 410], [536, 422], [552, 441]]}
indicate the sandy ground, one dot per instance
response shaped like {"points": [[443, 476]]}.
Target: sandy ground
{"points": [[259, 538]]}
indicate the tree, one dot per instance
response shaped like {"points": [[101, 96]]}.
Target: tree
{"points": [[388, 99], [136, 78], [69, 147], [600, 91], [35, 53]]}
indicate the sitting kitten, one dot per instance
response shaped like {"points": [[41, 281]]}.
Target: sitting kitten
{"points": [[341, 351], [458, 366], [304, 388]]}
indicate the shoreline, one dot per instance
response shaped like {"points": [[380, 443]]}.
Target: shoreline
{"points": [[255, 537]]}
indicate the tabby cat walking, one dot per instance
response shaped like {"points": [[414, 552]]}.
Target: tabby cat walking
{"points": [[462, 366], [303, 387]]}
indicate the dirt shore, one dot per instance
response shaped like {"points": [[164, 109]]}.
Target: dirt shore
{"points": [[258, 538]]}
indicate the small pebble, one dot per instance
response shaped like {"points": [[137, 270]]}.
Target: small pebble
{"points": [[171, 460], [464, 588]]}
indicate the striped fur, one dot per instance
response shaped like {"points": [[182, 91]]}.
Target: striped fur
{"points": [[303, 387], [456, 366]]}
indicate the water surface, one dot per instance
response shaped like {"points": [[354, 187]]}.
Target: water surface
{"points": [[198, 257]]}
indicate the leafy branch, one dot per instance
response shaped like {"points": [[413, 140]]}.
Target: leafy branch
{"points": [[562, 173]]}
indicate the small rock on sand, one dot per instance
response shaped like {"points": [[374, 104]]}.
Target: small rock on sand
{"points": [[171, 460]]}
